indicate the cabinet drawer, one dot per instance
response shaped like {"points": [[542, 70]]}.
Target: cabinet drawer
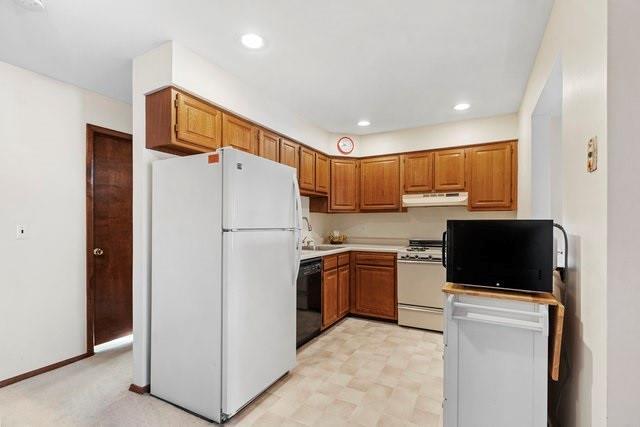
{"points": [[376, 258], [330, 262], [343, 259]]}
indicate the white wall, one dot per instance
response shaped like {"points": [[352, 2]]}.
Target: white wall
{"points": [[172, 64], [42, 186], [464, 132], [623, 270], [577, 34]]}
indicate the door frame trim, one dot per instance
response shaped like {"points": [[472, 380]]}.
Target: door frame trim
{"points": [[92, 130]]}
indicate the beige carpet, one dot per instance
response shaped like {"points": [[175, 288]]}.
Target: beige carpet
{"points": [[358, 373]]}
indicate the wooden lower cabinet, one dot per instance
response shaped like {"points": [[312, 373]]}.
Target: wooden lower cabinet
{"points": [[335, 288], [329, 297], [374, 285], [343, 290]]}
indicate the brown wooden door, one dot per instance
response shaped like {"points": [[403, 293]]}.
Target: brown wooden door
{"points": [[198, 125], [492, 177], [449, 170], [380, 183], [289, 153], [329, 297], [269, 145], [239, 134], [322, 173], [343, 290], [418, 172], [307, 178], [109, 230], [343, 196]]}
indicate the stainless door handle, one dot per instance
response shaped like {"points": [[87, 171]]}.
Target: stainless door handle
{"points": [[98, 252]]}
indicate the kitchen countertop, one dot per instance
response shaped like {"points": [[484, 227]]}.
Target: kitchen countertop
{"points": [[349, 247]]}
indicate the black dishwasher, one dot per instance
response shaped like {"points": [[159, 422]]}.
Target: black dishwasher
{"points": [[309, 292]]}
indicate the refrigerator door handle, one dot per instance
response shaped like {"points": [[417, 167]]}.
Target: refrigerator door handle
{"points": [[297, 232]]}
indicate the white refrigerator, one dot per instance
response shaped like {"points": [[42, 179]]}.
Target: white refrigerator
{"points": [[225, 258]]}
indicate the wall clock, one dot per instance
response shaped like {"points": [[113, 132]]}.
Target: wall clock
{"points": [[345, 145]]}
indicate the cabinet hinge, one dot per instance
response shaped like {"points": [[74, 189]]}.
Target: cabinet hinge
{"points": [[175, 102], [175, 128]]}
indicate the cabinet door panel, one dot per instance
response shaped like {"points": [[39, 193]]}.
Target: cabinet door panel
{"points": [[239, 134], [197, 124], [329, 297], [307, 169], [380, 183], [269, 145], [322, 173], [375, 291], [449, 171], [343, 290], [418, 172], [491, 177], [344, 182], [289, 153]]}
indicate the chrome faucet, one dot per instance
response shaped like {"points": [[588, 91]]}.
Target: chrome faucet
{"points": [[308, 240], [308, 224]]}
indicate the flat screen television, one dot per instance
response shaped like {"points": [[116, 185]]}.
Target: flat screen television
{"points": [[504, 254]]}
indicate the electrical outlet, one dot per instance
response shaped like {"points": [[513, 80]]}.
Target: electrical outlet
{"points": [[592, 154], [21, 232]]}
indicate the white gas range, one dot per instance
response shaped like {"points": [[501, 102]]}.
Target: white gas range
{"points": [[420, 280]]}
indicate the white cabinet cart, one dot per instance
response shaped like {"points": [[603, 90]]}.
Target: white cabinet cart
{"points": [[496, 361]]}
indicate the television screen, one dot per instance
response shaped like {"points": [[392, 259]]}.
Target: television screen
{"points": [[506, 254]]}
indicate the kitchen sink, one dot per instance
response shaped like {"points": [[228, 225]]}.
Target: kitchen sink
{"points": [[320, 248]]}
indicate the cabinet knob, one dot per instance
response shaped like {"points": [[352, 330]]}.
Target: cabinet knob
{"points": [[98, 252]]}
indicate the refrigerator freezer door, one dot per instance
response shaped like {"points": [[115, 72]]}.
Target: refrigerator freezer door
{"points": [[186, 309], [259, 313], [258, 193]]}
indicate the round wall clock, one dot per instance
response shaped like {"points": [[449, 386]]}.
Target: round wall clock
{"points": [[345, 145]]}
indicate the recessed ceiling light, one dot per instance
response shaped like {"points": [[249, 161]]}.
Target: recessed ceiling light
{"points": [[462, 106], [364, 123], [31, 4], [252, 41]]}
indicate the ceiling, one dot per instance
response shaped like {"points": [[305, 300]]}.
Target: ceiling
{"points": [[398, 64]]}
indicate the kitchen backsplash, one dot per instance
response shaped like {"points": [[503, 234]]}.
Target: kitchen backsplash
{"points": [[394, 227]]}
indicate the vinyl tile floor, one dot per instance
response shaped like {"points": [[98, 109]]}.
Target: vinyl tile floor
{"points": [[359, 373]]}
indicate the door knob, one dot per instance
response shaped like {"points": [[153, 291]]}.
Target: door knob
{"points": [[98, 251]]}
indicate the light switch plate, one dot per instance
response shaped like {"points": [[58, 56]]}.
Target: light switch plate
{"points": [[21, 232], [592, 154]]}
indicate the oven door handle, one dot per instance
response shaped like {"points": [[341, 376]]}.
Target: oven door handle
{"points": [[444, 245]]}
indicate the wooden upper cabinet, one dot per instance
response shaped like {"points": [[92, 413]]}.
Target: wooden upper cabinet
{"points": [[449, 170], [418, 172], [239, 134], [322, 174], [307, 177], [178, 123], [492, 177], [380, 183], [343, 195], [289, 153], [269, 145]]}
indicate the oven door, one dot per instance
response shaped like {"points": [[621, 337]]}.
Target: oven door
{"points": [[420, 298], [420, 283]]}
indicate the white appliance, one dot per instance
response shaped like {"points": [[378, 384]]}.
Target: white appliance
{"points": [[420, 280], [435, 199], [495, 362], [225, 257]]}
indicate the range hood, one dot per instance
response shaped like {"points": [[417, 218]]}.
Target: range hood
{"points": [[435, 199]]}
